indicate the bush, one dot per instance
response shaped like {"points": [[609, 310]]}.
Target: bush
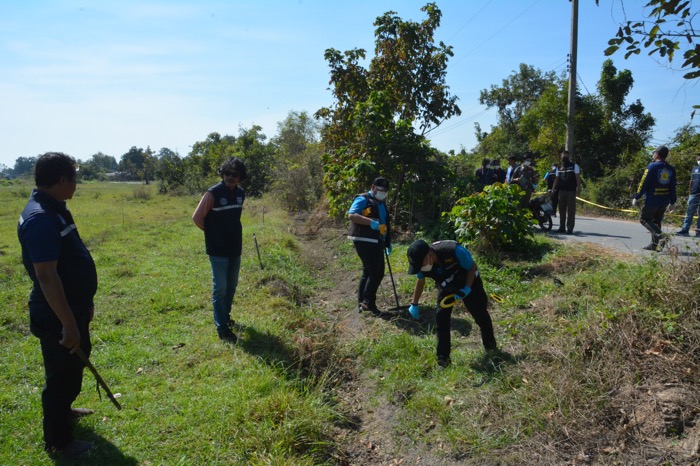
{"points": [[491, 221]]}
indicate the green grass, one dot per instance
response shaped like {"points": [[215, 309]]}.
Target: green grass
{"points": [[272, 399], [187, 397]]}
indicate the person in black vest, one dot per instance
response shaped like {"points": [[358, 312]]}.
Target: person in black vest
{"points": [[483, 174], [498, 175], [455, 273], [219, 215], [370, 232], [567, 186], [61, 303]]}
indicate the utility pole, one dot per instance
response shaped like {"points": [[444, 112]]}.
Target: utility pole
{"points": [[572, 79]]}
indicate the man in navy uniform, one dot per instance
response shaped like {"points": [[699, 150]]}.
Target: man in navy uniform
{"points": [[61, 303], [658, 187]]}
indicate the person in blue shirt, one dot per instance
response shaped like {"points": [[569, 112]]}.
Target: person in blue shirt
{"points": [[455, 273], [693, 202], [370, 232], [61, 305], [658, 187]]}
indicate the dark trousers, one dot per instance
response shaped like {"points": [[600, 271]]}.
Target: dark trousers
{"points": [[372, 257], [63, 380], [476, 303], [567, 210], [651, 217]]}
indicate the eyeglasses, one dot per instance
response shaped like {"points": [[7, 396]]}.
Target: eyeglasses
{"points": [[232, 174]]}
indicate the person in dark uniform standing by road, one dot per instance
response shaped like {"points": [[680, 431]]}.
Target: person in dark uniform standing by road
{"points": [[61, 303], [658, 187], [370, 232], [455, 273], [219, 216], [567, 185]]}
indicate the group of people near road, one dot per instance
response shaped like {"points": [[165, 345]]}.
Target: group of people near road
{"points": [[61, 303], [564, 179]]}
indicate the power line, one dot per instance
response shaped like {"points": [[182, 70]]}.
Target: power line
{"points": [[497, 32], [469, 20], [446, 129]]}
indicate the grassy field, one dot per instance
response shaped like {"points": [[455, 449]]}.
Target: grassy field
{"points": [[588, 341]]}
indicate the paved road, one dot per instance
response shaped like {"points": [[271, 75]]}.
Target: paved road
{"points": [[623, 235]]}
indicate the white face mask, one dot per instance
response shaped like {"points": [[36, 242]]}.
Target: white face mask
{"points": [[526, 163], [426, 268], [381, 195], [698, 162]]}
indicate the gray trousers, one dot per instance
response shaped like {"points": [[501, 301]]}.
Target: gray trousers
{"points": [[567, 210]]}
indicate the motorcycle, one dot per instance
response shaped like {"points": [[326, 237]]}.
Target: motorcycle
{"points": [[542, 211]]}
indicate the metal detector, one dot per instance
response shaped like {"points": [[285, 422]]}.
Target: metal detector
{"points": [[393, 285]]}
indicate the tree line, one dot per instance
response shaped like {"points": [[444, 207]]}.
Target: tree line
{"points": [[380, 122]]}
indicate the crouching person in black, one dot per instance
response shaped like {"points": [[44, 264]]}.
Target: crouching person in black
{"points": [[455, 273]]}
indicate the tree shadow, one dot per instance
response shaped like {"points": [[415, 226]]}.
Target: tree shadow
{"points": [[104, 451]]}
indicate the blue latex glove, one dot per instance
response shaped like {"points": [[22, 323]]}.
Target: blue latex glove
{"points": [[414, 310], [463, 293], [388, 250], [374, 225]]}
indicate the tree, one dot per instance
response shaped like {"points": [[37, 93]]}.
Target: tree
{"points": [[669, 29], [298, 171], [370, 128], [23, 166], [532, 118], [258, 156], [516, 95]]}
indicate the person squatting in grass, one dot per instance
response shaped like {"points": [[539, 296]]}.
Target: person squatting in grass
{"points": [[219, 216], [658, 186], [61, 303], [693, 201], [370, 232], [455, 272]]}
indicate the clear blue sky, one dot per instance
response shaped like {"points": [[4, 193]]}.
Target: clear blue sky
{"points": [[82, 77]]}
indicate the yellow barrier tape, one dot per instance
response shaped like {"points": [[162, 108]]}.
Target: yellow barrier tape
{"points": [[628, 210]]}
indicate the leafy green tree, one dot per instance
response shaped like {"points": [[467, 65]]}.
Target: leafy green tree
{"points": [[298, 171], [202, 164], [606, 128], [131, 163], [370, 127], [669, 29], [24, 166], [258, 155], [106, 163], [512, 99], [170, 170]]}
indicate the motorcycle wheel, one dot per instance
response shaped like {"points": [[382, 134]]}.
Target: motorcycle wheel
{"points": [[544, 220]]}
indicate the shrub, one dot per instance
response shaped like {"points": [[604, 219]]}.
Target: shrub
{"points": [[491, 221]]}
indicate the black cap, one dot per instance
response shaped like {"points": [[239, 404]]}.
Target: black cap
{"points": [[381, 182], [662, 151], [416, 253], [512, 157]]}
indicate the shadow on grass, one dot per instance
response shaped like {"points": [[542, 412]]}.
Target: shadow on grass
{"points": [[104, 452], [425, 325], [270, 348], [492, 363]]}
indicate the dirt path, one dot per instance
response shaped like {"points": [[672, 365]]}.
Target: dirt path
{"points": [[370, 436]]}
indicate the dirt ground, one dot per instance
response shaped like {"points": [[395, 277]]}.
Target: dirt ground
{"points": [[645, 420]]}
